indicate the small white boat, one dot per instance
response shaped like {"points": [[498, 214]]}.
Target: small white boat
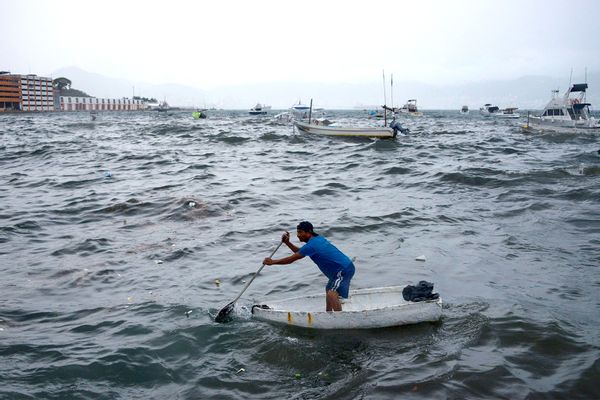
{"points": [[509, 112], [259, 109], [569, 113], [410, 108], [464, 110], [364, 309], [375, 132]]}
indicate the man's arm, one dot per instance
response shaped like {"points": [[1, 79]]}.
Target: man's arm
{"points": [[283, 261]]}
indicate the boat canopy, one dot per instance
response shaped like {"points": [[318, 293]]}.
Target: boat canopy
{"points": [[579, 87], [580, 106]]}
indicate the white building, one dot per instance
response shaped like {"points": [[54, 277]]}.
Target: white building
{"points": [[70, 103], [37, 93]]}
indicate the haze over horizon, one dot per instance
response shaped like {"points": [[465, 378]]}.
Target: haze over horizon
{"points": [[224, 50]]}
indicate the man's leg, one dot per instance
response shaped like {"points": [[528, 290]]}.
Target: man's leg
{"points": [[332, 299]]}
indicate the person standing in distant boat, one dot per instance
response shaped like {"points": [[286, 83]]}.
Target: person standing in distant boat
{"points": [[336, 266]]}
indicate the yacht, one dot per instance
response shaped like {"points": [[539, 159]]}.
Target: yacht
{"points": [[410, 108], [464, 110], [568, 113], [259, 109]]}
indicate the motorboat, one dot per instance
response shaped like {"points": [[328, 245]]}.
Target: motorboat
{"points": [[569, 113], [368, 132], [464, 110], [489, 110], [410, 108], [364, 309], [259, 109]]}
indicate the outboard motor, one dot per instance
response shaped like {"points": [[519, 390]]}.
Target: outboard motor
{"points": [[397, 127]]}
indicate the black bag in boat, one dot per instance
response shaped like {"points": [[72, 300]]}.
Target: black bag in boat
{"points": [[423, 291]]}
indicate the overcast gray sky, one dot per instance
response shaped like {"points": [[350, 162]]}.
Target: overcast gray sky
{"points": [[213, 43]]}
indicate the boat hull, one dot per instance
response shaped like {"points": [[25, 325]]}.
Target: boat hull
{"points": [[364, 309], [561, 126], [347, 132]]}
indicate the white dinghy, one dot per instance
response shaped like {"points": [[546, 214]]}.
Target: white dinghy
{"points": [[364, 309], [375, 132]]}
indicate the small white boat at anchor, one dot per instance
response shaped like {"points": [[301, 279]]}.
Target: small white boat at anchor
{"points": [[368, 132], [364, 309]]}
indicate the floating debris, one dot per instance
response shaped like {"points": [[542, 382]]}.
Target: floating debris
{"points": [[217, 282], [241, 370], [129, 299], [421, 258], [158, 261], [297, 376], [187, 313], [192, 204]]}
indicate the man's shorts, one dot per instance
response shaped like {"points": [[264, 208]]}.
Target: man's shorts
{"points": [[341, 282]]}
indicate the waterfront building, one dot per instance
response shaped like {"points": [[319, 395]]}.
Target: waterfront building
{"points": [[10, 93], [71, 103], [36, 93], [26, 93]]}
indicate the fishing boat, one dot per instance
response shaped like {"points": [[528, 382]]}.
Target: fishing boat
{"points": [[569, 113], [464, 110], [410, 108], [364, 309], [259, 109]]}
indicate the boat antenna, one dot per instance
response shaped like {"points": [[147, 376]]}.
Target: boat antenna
{"points": [[570, 78]]}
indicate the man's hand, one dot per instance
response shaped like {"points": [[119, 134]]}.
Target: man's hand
{"points": [[268, 261], [285, 238]]}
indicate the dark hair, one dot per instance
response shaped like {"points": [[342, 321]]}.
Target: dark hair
{"points": [[306, 227]]}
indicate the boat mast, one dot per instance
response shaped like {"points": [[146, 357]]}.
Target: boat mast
{"points": [[384, 99], [392, 91]]}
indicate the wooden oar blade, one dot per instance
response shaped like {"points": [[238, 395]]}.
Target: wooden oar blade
{"points": [[223, 315]]}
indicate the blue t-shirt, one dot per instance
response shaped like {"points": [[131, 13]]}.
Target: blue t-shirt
{"points": [[327, 257]]}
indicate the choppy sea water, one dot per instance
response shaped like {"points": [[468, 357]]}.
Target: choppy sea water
{"points": [[113, 233]]}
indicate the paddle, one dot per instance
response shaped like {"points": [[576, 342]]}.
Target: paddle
{"points": [[223, 315]]}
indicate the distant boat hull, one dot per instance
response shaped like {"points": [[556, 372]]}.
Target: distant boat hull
{"points": [[347, 132], [364, 309]]}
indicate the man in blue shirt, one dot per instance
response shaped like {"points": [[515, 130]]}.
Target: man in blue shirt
{"points": [[332, 262]]}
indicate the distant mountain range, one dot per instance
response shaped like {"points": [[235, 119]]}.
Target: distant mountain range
{"points": [[528, 92]]}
